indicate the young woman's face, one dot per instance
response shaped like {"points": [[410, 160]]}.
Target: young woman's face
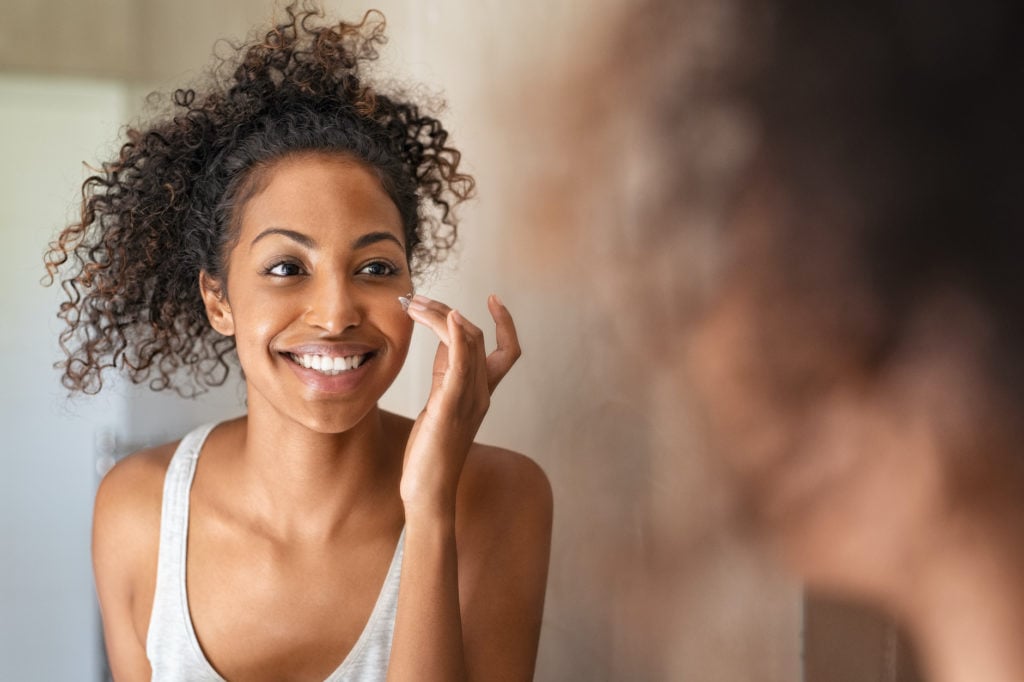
{"points": [[312, 292]]}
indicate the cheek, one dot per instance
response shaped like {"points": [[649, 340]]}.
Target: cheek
{"points": [[398, 326], [743, 418], [386, 312], [382, 311], [256, 320]]}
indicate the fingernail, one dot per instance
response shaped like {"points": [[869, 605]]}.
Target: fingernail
{"points": [[406, 301], [457, 316], [420, 299], [416, 305], [498, 300]]}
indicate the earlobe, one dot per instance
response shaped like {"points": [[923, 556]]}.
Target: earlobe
{"points": [[218, 310]]}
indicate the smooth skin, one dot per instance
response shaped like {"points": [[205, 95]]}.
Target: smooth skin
{"points": [[296, 508]]}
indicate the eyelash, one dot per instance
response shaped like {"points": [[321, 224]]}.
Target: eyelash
{"points": [[269, 270], [390, 270]]}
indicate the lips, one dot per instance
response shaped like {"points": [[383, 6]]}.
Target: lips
{"points": [[327, 364], [330, 367]]}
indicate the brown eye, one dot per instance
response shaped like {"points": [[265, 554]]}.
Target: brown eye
{"points": [[378, 269], [284, 269]]}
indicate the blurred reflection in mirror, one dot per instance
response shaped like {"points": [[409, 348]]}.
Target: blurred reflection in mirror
{"points": [[799, 224]]}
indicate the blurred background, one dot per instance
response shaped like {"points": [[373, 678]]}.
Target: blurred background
{"points": [[648, 581]]}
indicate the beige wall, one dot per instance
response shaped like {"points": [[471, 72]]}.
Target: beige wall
{"points": [[646, 584]]}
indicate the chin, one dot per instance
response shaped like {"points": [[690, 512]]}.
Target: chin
{"points": [[330, 419]]}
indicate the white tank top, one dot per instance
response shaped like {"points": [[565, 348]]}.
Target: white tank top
{"points": [[171, 644]]}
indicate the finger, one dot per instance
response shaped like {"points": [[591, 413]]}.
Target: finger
{"points": [[440, 368], [476, 354], [474, 335], [500, 361], [459, 367], [432, 314], [422, 302], [448, 371]]}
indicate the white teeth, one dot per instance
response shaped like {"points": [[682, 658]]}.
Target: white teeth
{"points": [[327, 364]]}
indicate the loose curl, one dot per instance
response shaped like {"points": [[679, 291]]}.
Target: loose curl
{"points": [[167, 207]]}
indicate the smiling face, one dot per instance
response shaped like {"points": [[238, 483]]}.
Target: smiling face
{"points": [[312, 292]]}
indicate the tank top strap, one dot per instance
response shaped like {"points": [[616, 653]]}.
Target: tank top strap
{"points": [[171, 644]]}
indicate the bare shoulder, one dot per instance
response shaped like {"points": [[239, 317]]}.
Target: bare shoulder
{"points": [[135, 484], [502, 488], [498, 470], [126, 517], [125, 549]]}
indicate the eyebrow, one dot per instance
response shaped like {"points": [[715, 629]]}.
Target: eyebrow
{"points": [[303, 239], [361, 242], [374, 237]]}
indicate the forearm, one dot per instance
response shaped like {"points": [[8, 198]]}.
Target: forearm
{"points": [[427, 642]]}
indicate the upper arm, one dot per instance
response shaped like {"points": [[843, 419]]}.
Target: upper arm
{"points": [[125, 538], [504, 542]]}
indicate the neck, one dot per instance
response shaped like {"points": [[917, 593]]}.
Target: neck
{"points": [[965, 606], [304, 484]]}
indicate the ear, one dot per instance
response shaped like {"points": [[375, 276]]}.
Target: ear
{"points": [[218, 310]]}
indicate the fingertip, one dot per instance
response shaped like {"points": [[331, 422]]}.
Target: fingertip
{"points": [[496, 300], [415, 313], [497, 308]]}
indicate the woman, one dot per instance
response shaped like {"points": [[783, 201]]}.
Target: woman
{"points": [[822, 242], [282, 213]]}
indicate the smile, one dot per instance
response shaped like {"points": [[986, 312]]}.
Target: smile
{"points": [[327, 365]]}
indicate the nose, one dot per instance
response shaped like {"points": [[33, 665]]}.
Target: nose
{"points": [[334, 306]]}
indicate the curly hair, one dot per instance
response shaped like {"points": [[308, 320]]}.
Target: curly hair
{"points": [[167, 207]]}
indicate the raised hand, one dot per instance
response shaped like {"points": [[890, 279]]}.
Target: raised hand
{"points": [[464, 376]]}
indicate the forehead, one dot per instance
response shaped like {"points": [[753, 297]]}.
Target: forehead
{"points": [[321, 194]]}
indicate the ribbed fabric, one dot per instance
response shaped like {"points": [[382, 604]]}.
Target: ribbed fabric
{"points": [[171, 644]]}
